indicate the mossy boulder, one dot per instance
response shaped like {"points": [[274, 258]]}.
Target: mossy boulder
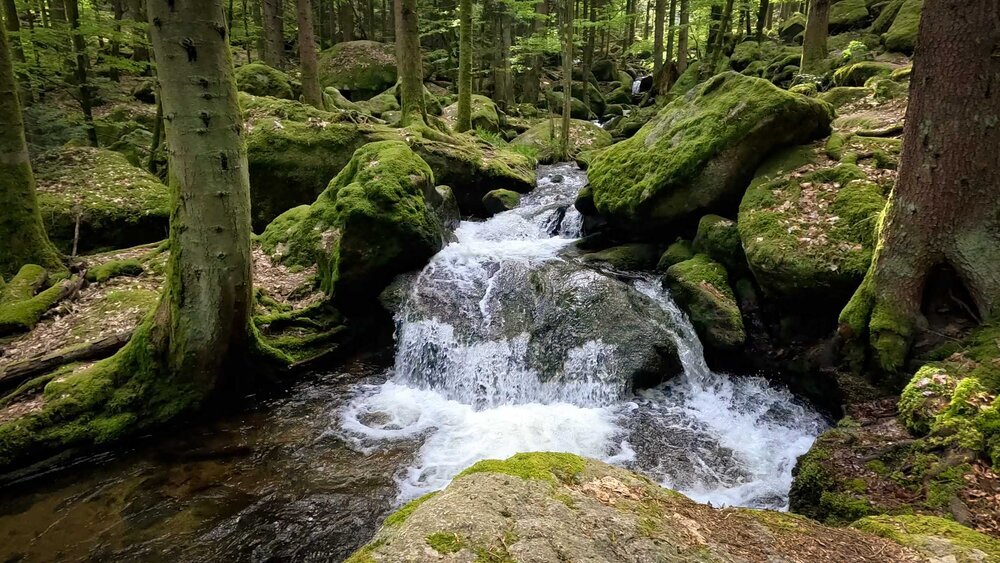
{"points": [[117, 204], [807, 226], [843, 95], [947, 540], [583, 136], [596, 99], [381, 104], [699, 152], [259, 79], [374, 221], [25, 299], [719, 238], [359, 69], [859, 73], [701, 287], [790, 30], [628, 257], [678, 251], [560, 507], [333, 100], [848, 14], [605, 70], [484, 114], [902, 34], [630, 124], [885, 17], [498, 201], [578, 110]]}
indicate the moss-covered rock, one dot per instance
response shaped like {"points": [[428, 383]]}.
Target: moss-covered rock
{"points": [[807, 225], [259, 79], [885, 17], [719, 238], [678, 251], [902, 35], [701, 286], [945, 539], [791, 29], [630, 124], [372, 223], [843, 95], [114, 268], [553, 506], [333, 100], [628, 257], [484, 114], [23, 300], [498, 201], [859, 73], [583, 136], [359, 69], [117, 204], [578, 110], [699, 152], [848, 14]]}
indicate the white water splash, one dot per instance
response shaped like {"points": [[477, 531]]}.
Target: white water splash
{"points": [[465, 397]]}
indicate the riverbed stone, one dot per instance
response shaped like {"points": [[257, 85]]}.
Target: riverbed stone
{"points": [[498, 201], [699, 153], [719, 239], [701, 287], [628, 257], [546, 507]]}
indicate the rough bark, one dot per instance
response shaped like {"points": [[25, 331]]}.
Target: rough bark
{"points": [[945, 208], [567, 69], [13, 24], [532, 77], [311, 91], [682, 36], [136, 11], [82, 64], [274, 35], [21, 230], [411, 85], [658, 35], [503, 79], [345, 20], [671, 30], [465, 66], [814, 40], [725, 23], [588, 49], [762, 13]]}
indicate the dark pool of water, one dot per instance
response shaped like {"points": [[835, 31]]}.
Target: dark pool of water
{"points": [[267, 484]]}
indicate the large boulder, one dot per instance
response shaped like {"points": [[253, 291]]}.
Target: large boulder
{"points": [[605, 70], [546, 506], [583, 136], [261, 80], [578, 110], [484, 114], [719, 238], [808, 226], [791, 29], [859, 73], [848, 14], [701, 287], [374, 221], [902, 34], [499, 201], [699, 153], [116, 204], [359, 69]]}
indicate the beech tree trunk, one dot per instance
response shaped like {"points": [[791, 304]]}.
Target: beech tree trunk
{"points": [[311, 91], [671, 30], [682, 36], [658, 35], [21, 230], [945, 207], [13, 26], [274, 35], [411, 85], [465, 66], [814, 39]]}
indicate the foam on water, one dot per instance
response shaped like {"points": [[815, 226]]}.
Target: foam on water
{"points": [[464, 397]]}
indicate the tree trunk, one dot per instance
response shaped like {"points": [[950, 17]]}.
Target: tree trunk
{"points": [[814, 39], [682, 36], [671, 29], [345, 19], [465, 66], [762, 18], [658, 35], [21, 230], [274, 35], [57, 12], [589, 8], [136, 11], [503, 80], [118, 12], [82, 64], [370, 18], [715, 52], [411, 85], [945, 208], [567, 69], [312, 94], [14, 27]]}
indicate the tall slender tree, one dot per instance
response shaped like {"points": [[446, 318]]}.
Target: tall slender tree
{"points": [[465, 66], [274, 34], [814, 40], [945, 208], [81, 69], [23, 237], [671, 30], [682, 35], [567, 69], [411, 85], [345, 19], [311, 91], [13, 23], [658, 36], [762, 14]]}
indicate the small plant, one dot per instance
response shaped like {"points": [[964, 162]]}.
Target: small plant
{"points": [[856, 52]]}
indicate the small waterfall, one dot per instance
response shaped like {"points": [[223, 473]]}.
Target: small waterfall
{"points": [[637, 86], [508, 344]]}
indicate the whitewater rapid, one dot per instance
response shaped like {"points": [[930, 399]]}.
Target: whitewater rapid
{"points": [[467, 385]]}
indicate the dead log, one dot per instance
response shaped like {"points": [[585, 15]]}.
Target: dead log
{"points": [[19, 372]]}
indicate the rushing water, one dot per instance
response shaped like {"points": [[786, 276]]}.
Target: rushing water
{"points": [[474, 379]]}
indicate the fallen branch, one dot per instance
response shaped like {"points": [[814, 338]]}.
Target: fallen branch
{"points": [[19, 372], [888, 131]]}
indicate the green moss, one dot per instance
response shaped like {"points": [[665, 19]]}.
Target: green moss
{"points": [[542, 466], [359, 68], [445, 542], [584, 136], [810, 479], [917, 532], [113, 269], [719, 238], [843, 508], [261, 80], [701, 286], [628, 257], [848, 14], [364, 554], [677, 252], [842, 95], [498, 201], [902, 35], [484, 114], [859, 73], [399, 517], [683, 161], [20, 307]]}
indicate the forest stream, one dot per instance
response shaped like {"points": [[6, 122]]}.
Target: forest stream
{"points": [[506, 342]]}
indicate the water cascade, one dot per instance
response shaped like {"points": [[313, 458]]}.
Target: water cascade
{"points": [[507, 343]]}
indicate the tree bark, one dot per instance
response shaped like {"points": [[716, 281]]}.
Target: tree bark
{"points": [[82, 64], [762, 18], [658, 35], [715, 54], [136, 11], [532, 76], [274, 35], [13, 27], [567, 68], [411, 85], [345, 18], [503, 80], [814, 40], [21, 230], [57, 12], [682, 36], [671, 30], [311, 91], [945, 208], [465, 66]]}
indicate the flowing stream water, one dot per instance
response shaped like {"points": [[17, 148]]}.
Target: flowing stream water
{"points": [[506, 342]]}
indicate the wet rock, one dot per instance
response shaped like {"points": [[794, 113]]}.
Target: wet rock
{"points": [[498, 201], [701, 287], [634, 257]]}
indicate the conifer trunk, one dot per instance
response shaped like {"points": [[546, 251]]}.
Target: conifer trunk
{"points": [[762, 18], [682, 36], [814, 40], [658, 15], [23, 237], [82, 64], [503, 80], [274, 35], [465, 66], [13, 26], [311, 91], [945, 207], [671, 30], [411, 85], [345, 17], [567, 68]]}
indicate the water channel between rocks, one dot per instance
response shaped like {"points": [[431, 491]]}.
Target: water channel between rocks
{"points": [[506, 342]]}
